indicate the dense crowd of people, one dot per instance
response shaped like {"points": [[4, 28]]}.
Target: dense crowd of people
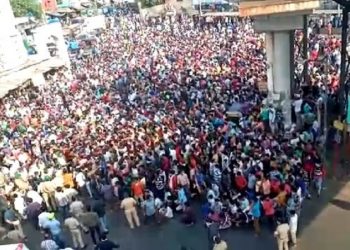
{"points": [[163, 114]]}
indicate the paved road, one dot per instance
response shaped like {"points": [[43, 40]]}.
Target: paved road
{"points": [[325, 224]]}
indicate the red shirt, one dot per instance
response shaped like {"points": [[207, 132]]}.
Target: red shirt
{"points": [[275, 186], [165, 164], [241, 182], [268, 207]]}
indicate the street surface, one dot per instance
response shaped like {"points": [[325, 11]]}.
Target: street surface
{"points": [[324, 225]]}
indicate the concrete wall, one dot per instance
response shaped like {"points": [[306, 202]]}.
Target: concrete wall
{"points": [[12, 51], [47, 33]]}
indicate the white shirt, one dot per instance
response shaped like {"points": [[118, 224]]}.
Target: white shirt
{"points": [[19, 205], [80, 179], [61, 199], [293, 223], [297, 105], [70, 193], [34, 196], [169, 213]]}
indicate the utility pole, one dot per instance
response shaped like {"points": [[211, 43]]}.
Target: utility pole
{"points": [[305, 48], [342, 95]]}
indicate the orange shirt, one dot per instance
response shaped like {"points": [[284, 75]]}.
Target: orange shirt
{"points": [[137, 188]]}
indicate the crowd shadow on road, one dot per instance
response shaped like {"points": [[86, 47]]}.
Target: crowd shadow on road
{"points": [[341, 204]]}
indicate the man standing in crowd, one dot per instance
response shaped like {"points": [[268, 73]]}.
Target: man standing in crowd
{"points": [[74, 228], [293, 226], [90, 221], [99, 207], [213, 231], [128, 204], [282, 235], [53, 226]]}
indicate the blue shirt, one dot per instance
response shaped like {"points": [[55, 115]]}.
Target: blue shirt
{"points": [[256, 210], [251, 181], [150, 208], [10, 215], [182, 196], [54, 226]]}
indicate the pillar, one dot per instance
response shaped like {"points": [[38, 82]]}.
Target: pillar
{"points": [[280, 58], [279, 70]]}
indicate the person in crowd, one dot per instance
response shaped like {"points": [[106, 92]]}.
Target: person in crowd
{"points": [[269, 211], [188, 216], [48, 243], [90, 220], [32, 212], [62, 202], [293, 227], [53, 226], [74, 228], [282, 235], [99, 207], [106, 244], [255, 210], [12, 220], [76, 207], [213, 231], [128, 204], [149, 208], [219, 244]]}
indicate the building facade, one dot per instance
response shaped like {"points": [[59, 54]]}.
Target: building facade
{"points": [[12, 50]]}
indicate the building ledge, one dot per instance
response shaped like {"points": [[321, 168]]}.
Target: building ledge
{"points": [[15, 78], [272, 7]]}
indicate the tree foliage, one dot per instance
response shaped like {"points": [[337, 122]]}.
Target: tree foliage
{"points": [[26, 8]]}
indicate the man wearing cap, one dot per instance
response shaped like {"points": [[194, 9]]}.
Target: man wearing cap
{"points": [[282, 235], [74, 228], [54, 227]]}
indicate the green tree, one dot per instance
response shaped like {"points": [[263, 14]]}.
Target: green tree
{"points": [[26, 8]]}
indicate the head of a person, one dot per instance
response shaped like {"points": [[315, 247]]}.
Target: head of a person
{"points": [[103, 237], [217, 239], [47, 236], [51, 216]]}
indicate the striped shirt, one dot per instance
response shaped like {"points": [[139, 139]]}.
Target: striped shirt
{"points": [[49, 245]]}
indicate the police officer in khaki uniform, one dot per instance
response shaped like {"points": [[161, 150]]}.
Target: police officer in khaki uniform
{"points": [[282, 235], [129, 206]]}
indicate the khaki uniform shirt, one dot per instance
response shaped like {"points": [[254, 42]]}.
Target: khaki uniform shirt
{"points": [[282, 232], [72, 223], [128, 204]]}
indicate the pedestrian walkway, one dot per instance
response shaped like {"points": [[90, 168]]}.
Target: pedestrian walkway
{"points": [[327, 222]]}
